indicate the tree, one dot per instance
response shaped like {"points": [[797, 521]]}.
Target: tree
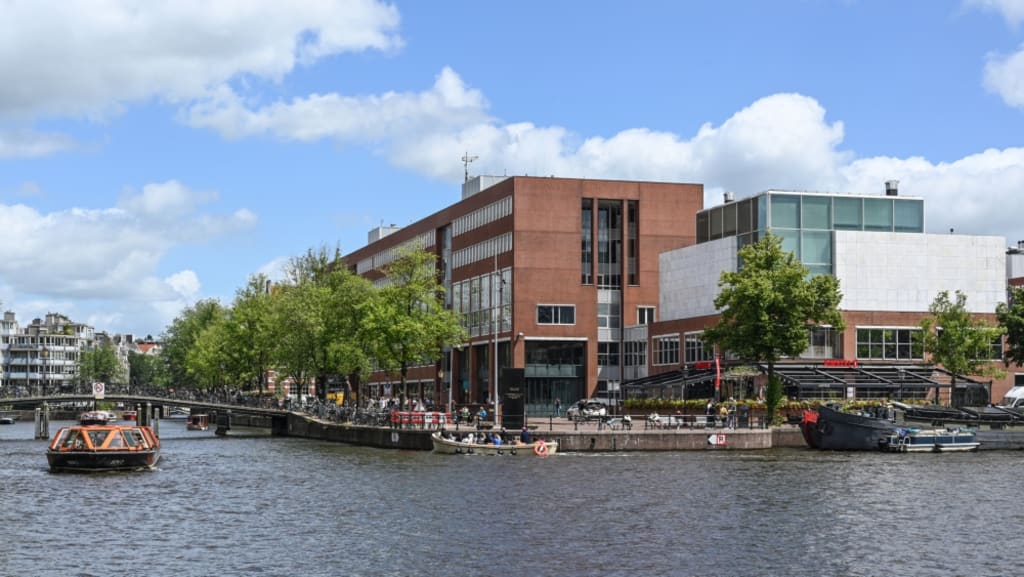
{"points": [[1011, 318], [146, 370], [408, 323], [249, 327], [768, 307], [182, 334], [100, 364], [956, 340], [319, 329]]}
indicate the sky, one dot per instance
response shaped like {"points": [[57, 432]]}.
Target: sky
{"points": [[153, 154]]}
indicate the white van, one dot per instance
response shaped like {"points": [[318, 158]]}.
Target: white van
{"points": [[1014, 398]]}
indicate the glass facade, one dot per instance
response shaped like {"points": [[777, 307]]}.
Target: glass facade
{"points": [[805, 221]]}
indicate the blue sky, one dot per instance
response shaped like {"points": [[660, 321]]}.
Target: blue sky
{"points": [[153, 154]]}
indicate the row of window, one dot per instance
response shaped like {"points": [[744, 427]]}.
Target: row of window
{"points": [[477, 218], [388, 255], [608, 315], [888, 344], [482, 250]]}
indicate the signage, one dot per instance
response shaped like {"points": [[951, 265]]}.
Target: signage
{"points": [[717, 439], [98, 389], [840, 363]]}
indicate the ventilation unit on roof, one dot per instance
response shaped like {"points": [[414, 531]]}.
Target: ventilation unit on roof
{"points": [[892, 188]]}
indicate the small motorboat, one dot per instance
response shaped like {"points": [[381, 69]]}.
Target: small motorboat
{"points": [[8, 420], [932, 441], [130, 415], [540, 447], [198, 422], [103, 447]]}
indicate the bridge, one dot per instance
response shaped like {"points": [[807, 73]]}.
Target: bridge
{"points": [[223, 414]]}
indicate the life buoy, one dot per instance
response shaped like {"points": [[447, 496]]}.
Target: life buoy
{"points": [[540, 448]]}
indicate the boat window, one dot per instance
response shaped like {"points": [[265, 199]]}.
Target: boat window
{"points": [[74, 440], [60, 437], [131, 439], [116, 440], [97, 438]]}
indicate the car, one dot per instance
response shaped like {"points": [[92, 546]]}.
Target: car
{"points": [[586, 409]]}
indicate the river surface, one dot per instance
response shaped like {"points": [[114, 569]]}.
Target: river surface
{"points": [[257, 505]]}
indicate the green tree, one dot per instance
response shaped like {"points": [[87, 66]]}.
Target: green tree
{"points": [[100, 364], [212, 360], [181, 336], [1011, 318], [957, 340], [768, 307], [408, 323], [319, 331], [249, 328], [146, 370]]}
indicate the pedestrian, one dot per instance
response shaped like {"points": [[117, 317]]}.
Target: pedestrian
{"points": [[558, 407]]}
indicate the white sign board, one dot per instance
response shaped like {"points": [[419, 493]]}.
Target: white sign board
{"points": [[98, 390]]}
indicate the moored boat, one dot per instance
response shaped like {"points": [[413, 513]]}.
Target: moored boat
{"points": [[932, 441], [103, 447], [5, 420], [94, 418], [833, 430], [540, 447]]}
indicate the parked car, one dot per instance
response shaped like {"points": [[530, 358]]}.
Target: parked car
{"points": [[586, 409]]}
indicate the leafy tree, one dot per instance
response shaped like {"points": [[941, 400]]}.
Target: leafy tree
{"points": [[146, 370], [100, 364], [1011, 318], [249, 328], [957, 340], [408, 321], [181, 336], [768, 306], [319, 329], [211, 361]]}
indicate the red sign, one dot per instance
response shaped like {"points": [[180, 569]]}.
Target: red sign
{"points": [[702, 365], [839, 363]]}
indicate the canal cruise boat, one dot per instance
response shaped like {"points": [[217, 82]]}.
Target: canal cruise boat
{"points": [[198, 422], [103, 447]]}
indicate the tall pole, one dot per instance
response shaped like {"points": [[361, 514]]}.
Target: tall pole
{"points": [[497, 327]]}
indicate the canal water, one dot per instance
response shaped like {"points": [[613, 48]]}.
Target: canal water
{"points": [[271, 506]]}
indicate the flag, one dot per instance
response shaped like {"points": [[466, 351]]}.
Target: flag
{"points": [[718, 374]]}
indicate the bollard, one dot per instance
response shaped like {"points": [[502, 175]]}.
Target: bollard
{"points": [[39, 423]]}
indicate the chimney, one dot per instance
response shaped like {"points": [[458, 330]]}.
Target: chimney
{"points": [[892, 188], [728, 196]]}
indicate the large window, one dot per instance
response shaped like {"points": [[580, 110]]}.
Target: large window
{"points": [[644, 315], [608, 354], [696, 350], [666, 350], [891, 344], [556, 315], [635, 353], [587, 241], [608, 316]]}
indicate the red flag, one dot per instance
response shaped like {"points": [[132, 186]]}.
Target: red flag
{"points": [[718, 374]]}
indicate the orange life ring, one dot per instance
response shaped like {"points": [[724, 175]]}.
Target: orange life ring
{"points": [[540, 448]]}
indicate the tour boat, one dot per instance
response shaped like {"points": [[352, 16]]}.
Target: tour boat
{"points": [[130, 415], [540, 447], [103, 447], [198, 422], [94, 418]]}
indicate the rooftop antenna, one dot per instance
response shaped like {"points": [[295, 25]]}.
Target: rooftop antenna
{"points": [[466, 159]]}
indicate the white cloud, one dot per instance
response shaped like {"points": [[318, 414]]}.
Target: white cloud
{"points": [[1004, 75], [1011, 10], [109, 257], [30, 144], [87, 58]]}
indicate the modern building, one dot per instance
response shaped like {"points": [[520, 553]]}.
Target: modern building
{"points": [[889, 269], [42, 357], [545, 271]]}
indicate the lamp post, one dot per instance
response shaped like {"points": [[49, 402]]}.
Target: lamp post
{"points": [[498, 316]]}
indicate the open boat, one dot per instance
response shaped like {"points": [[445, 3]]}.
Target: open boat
{"points": [[103, 447], [932, 441], [94, 418], [834, 430], [540, 447]]}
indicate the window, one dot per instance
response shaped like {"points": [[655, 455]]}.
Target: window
{"points": [[587, 242], [785, 211], [666, 350], [635, 353], [889, 344], [556, 315], [878, 214], [608, 354], [908, 215], [696, 350], [644, 315], [608, 316]]}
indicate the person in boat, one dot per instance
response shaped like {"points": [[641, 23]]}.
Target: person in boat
{"points": [[525, 435], [495, 439]]}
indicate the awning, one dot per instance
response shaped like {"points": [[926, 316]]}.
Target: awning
{"points": [[671, 379], [894, 377]]}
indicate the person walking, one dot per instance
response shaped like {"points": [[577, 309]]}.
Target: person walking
{"points": [[558, 407]]}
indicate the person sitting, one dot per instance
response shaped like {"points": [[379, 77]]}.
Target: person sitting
{"points": [[481, 415], [495, 439], [525, 436]]}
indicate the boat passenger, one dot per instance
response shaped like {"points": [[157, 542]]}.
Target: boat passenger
{"points": [[525, 436], [495, 439]]}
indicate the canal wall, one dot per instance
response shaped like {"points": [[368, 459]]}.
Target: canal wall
{"points": [[568, 440]]}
